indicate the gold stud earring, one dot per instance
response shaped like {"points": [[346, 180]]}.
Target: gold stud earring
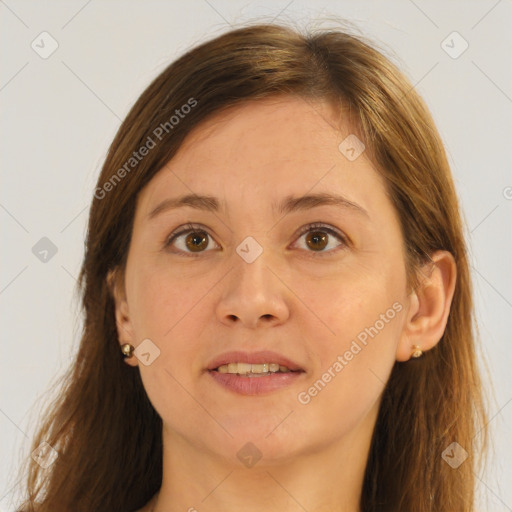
{"points": [[127, 350], [417, 352]]}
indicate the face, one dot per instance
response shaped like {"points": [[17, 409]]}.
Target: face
{"points": [[250, 276]]}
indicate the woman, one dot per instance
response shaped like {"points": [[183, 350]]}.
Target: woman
{"points": [[278, 310]]}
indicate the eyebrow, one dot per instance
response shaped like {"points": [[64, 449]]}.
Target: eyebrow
{"points": [[287, 205]]}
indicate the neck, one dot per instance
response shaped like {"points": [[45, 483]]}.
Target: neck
{"points": [[327, 478]]}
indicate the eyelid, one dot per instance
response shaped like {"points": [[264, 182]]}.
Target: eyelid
{"points": [[320, 226], [331, 230], [326, 227], [182, 230]]}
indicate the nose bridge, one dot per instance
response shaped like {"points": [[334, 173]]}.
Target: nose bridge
{"points": [[254, 259], [252, 272], [253, 291]]}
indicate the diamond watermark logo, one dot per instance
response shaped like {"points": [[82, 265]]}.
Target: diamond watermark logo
{"points": [[351, 147], [44, 45], [454, 455], [146, 352], [45, 455], [249, 455], [454, 45], [44, 250], [249, 249]]}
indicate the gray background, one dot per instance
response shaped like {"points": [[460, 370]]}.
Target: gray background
{"points": [[59, 114]]}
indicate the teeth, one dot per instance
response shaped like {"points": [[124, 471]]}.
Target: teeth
{"points": [[247, 368]]}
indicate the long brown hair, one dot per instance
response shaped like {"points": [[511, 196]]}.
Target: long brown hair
{"points": [[103, 426]]}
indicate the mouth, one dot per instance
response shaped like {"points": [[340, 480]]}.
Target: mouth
{"points": [[263, 362], [253, 370], [254, 373]]}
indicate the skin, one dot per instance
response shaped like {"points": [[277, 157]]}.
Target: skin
{"points": [[292, 299]]}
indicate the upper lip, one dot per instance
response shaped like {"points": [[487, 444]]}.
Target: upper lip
{"points": [[262, 356]]}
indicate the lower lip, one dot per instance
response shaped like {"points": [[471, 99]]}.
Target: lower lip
{"points": [[255, 385]]}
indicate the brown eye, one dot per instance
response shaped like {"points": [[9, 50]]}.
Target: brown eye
{"points": [[190, 242], [316, 240], [197, 241]]}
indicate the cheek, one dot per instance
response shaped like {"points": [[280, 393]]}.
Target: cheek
{"points": [[167, 309], [352, 300], [163, 302], [356, 351], [171, 310]]}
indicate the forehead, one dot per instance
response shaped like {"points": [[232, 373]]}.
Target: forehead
{"points": [[269, 148], [267, 129]]}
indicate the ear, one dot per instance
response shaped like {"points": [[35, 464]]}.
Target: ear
{"points": [[125, 331], [429, 306]]}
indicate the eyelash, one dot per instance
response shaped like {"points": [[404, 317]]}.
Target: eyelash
{"points": [[315, 226]]}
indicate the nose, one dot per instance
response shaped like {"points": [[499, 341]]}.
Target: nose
{"points": [[254, 294]]}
